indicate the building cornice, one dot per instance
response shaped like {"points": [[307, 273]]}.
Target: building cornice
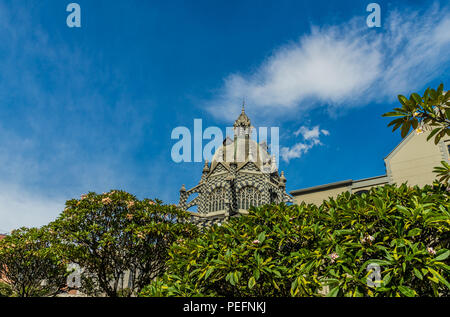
{"points": [[321, 187]]}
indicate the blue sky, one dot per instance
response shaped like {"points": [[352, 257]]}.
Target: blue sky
{"points": [[92, 109]]}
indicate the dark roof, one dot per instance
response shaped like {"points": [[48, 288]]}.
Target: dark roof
{"points": [[348, 182], [321, 187]]}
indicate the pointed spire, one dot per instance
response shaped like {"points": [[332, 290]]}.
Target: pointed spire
{"points": [[183, 188], [242, 121], [206, 167]]}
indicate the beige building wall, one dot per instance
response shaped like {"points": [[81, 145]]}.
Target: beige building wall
{"points": [[412, 161], [317, 197]]}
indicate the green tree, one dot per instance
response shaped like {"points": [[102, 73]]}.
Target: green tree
{"points": [[405, 230], [261, 254], [113, 233], [443, 172], [5, 290], [31, 264], [430, 112], [302, 250]]}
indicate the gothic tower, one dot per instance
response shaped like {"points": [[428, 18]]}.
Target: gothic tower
{"points": [[241, 174]]}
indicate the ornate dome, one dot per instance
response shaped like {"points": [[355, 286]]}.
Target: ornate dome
{"points": [[235, 152], [242, 149], [242, 174]]}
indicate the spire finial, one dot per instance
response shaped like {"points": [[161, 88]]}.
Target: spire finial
{"points": [[206, 167], [242, 120], [282, 177]]}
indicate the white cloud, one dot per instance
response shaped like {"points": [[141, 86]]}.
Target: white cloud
{"points": [[295, 151], [344, 65], [309, 134], [311, 138]]}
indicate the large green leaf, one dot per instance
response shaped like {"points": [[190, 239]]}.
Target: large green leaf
{"points": [[444, 255], [251, 282], [407, 291], [334, 292]]}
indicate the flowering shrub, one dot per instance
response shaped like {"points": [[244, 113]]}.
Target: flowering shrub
{"points": [[113, 233], [305, 250], [30, 264], [428, 111]]}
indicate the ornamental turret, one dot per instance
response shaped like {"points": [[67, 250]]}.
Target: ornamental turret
{"points": [[242, 126], [242, 173]]}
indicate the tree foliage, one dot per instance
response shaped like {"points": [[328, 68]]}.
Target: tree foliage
{"points": [[428, 112], [31, 264], [5, 290], [443, 172], [432, 110], [305, 250], [114, 233]]}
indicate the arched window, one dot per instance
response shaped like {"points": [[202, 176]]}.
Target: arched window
{"points": [[249, 196], [217, 199]]}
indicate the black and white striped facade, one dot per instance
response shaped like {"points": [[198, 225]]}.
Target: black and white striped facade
{"points": [[242, 174]]}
